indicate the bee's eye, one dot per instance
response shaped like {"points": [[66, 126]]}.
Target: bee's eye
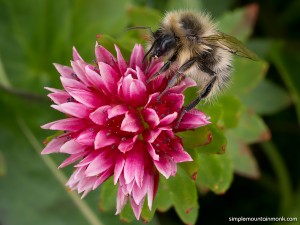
{"points": [[167, 43]]}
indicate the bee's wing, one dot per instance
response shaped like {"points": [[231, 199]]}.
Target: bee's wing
{"points": [[231, 44]]}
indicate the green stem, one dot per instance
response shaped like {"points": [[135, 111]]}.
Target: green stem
{"points": [[284, 182], [81, 205]]}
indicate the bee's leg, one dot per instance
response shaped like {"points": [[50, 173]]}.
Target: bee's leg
{"points": [[164, 67], [177, 75], [196, 101]]}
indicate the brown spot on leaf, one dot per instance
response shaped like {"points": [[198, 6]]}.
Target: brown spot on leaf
{"points": [[99, 36], [265, 136], [194, 175], [187, 211], [251, 14]]}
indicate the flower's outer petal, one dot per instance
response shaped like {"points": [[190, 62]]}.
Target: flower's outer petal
{"points": [[71, 84], [55, 144], [141, 75], [73, 109], [186, 83], [138, 193], [174, 101], [88, 159], [94, 78], [131, 122], [72, 147], [117, 110], [76, 55], [193, 119], [103, 55], [79, 70], [138, 93], [134, 168], [105, 138], [72, 158], [58, 96], [121, 200], [109, 76], [87, 137], [150, 116], [137, 209], [87, 98], [136, 58], [167, 120], [103, 177], [100, 164], [121, 61], [119, 165], [99, 116], [124, 90], [178, 154], [65, 71], [164, 166], [69, 124]]}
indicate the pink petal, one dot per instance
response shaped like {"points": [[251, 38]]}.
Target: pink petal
{"points": [[127, 144], [167, 120], [79, 70], [124, 90], [103, 177], [105, 138], [100, 164], [55, 144], [99, 116], [121, 200], [150, 116], [72, 147], [94, 78], [89, 158], [138, 93], [136, 58], [137, 209], [87, 137], [65, 71], [58, 96], [74, 109], [193, 119], [131, 122], [119, 165], [138, 193], [151, 135], [117, 111], [152, 188], [186, 83], [141, 75], [71, 84], [103, 55], [88, 98], [109, 76], [72, 158], [164, 166], [134, 167], [121, 62], [178, 154], [152, 152], [174, 101], [69, 124], [76, 55]]}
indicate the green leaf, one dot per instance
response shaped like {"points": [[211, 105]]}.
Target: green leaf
{"points": [[108, 195], [231, 110], [127, 214], [251, 128], [246, 75], [244, 161], [239, 23], [191, 167], [143, 16], [147, 214], [287, 63], [218, 143], [215, 172], [2, 165], [214, 111], [184, 4], [163, 198], [198, 137], [184, 195], [267, 98]]}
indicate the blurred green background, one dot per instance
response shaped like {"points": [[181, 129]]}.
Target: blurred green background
{"points": [[36, 33]]}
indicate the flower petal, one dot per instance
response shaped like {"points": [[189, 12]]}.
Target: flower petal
{"points": [[131, 122], [103, 55], [109, 76], [65, 71], [72, 147], [121, 61], [55, 144], [138, 93], [88, 98], [193, 119], [74, 109], [150, 116], [69, 124], [79, 69], [127, 144], [167, 120], [86, 137], [117, 110], [72, 158], [105, 138], [99, 116], [136, 58], [100, 164], [119, 165]]}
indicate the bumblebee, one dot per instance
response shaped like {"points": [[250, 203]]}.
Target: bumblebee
{"points": [[193, 47]]}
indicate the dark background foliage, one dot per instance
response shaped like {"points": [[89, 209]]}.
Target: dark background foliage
{"points": [[33, 34]]}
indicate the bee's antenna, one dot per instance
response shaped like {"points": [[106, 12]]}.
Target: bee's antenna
{"points": [[140, 28]]}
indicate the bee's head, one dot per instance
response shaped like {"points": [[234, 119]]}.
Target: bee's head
{"points": [[161, 45]]}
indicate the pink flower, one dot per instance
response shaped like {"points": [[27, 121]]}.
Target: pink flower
{"points": [[115, 125]]}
